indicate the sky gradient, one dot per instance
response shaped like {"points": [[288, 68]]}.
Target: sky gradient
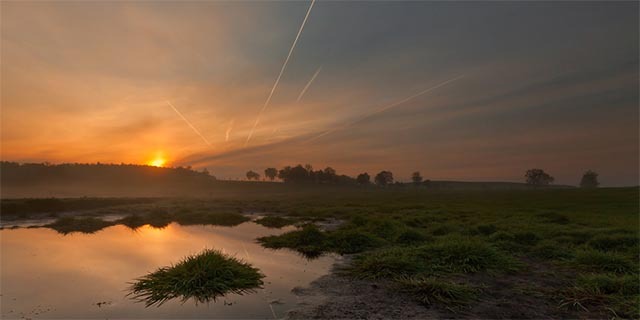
{"points": [[515, 85]]}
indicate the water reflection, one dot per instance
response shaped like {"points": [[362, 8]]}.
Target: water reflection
{"points": [[46, 274]]}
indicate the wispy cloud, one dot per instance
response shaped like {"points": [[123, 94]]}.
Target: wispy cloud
{"points": [[284, 66]]}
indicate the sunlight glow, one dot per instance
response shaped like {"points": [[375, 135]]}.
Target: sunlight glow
{"points": [[158, 162]]}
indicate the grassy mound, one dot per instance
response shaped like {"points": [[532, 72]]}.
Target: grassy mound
{"points": [[203, 277], [274, 222], [66, 225]]}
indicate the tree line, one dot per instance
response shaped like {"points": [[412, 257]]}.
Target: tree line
{"points": [[306, 174]]}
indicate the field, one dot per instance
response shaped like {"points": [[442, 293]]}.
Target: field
{"points": [[535, 253]]}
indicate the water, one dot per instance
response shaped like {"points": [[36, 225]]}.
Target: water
{"points": [[48, 275]]}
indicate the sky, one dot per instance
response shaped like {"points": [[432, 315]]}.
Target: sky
{"points": [[474, 91]]}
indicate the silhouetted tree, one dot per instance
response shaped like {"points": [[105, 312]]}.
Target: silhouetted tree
{"points": [[384, 178], [537, 177], [270, 173], [205, 171], [363, 178], [251, 175], [416, 178], [589, 180]]}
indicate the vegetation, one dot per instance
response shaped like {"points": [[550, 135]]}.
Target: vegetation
{"points": [[573, 252], [68, 225], [384, 178], [589, 180], [203, 278], [252, 175], [538, 177], [274, 221]]}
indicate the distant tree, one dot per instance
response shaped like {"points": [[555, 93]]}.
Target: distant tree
{"points": [[416, 178], [270, 173], [363, 178], [251, 175], [589, 180], [537, 177], [384, 178], [205, 171]]}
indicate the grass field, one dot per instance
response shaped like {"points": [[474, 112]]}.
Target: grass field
{"points": [[540, 252]]}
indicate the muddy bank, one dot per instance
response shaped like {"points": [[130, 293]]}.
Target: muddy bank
{"points": [[335, 296]]}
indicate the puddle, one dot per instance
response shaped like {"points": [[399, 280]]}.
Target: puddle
{"points": [[45, 274]]}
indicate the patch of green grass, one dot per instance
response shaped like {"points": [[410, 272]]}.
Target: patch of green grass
{"points": [[66, 225], [618, 294], [615, 242], [274, 222], [309, 241], [429, 290], [551, 250], [352, 241], [203, 277], [452, 255], [598, 261]]}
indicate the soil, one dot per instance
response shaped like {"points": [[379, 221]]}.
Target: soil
{"points": [[528, 294]]}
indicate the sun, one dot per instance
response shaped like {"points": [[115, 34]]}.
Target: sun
{"points": [[157, 162]]}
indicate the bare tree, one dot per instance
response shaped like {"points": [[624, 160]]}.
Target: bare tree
{"points": [[416, 178]]}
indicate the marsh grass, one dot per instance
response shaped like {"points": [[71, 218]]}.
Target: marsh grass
{"points": [[429, 290], [66, 225], [599, 261], [275, 222], [309, 241], [203, 277], [617, 294]]}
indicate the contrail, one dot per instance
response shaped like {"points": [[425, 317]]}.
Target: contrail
{"points": [[228, 132], [284, 66], [189, 123], [383, 109], [308, 84]]}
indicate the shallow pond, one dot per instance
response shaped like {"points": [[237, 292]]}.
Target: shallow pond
{"points": [[49, 275]]}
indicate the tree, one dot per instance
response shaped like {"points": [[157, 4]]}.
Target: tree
{"points": [[205, 171], [363, 178], [416, 178], [384, 178], [270, 173], [253, 175], [537, 177], [589, 180]]}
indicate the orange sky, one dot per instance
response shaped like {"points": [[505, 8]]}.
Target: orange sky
{"points": [[88, 82]]}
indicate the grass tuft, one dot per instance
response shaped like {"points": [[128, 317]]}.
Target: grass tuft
{"points": [[598, 261], [432, 290], [203, 277]]}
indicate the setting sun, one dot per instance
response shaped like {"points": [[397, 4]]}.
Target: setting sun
{"points": [[158, 162]]}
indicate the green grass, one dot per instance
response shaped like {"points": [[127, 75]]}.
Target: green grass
{"points": [[447, 234], [429, 291], [203, 278], [274, 222], [68, 225]]}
